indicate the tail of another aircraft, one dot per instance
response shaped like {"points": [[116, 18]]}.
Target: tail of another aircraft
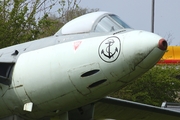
{"points": [[172, 56]]}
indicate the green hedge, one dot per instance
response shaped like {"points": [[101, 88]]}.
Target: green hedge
{"points": [[159, 84]]}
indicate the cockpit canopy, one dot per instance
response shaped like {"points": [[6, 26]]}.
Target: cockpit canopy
{"points": [[93, 22]]}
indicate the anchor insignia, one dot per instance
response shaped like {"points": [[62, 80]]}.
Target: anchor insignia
{"points": [[110, 42], [109, 49]]}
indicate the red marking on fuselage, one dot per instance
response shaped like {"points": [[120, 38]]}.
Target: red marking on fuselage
{"points": [[77, 44]]}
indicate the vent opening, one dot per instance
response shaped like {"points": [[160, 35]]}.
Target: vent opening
{"points": [[89, 73], [95, 84], [5, 71]]}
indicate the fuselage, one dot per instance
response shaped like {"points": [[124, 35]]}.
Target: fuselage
{"points": [[61, 73]]}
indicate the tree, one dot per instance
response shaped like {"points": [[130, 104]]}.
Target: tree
{"points": [[73, 13], [19, 21], [169, 38], [159, 84], [50, 24]]}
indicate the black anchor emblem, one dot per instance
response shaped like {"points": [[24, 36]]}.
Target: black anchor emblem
{"points": [[109, 54]]}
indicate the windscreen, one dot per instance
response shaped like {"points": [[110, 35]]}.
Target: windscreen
{"points": [[110, 23], [119, 21]]}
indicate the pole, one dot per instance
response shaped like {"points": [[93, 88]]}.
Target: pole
{"points": [[152, 17]]}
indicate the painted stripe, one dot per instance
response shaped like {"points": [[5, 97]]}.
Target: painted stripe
{"points": [[171, 61]]}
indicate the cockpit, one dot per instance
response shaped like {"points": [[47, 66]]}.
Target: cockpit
{"points": [[110, 23], [97, 22]]}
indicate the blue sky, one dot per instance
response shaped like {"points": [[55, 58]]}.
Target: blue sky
{"points": [[137, 13]]}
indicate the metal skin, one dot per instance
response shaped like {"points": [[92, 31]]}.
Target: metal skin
{"points": [[61, 76]]}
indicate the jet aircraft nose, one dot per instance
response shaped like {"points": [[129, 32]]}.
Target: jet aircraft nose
{"points": [[139, 51], [143, 49]]}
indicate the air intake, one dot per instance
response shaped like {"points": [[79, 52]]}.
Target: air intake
{"points": [[89, 73], [95, 84]]}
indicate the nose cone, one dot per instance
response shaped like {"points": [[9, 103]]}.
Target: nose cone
{"points": [[162, 44], [143, 49]]}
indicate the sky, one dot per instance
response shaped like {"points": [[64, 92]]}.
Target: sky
{"points": [[137, 14]]}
